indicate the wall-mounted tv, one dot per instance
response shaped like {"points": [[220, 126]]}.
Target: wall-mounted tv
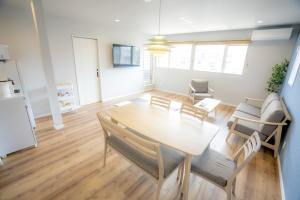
{"points": [[125, 56]]}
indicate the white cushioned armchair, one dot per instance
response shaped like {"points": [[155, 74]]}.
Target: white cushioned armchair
{"points": [[199, 89]]}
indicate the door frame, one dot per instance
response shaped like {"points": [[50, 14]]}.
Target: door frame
{"points": [[99, 67]]}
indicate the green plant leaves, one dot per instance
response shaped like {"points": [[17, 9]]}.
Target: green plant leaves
{"points": [[277, 77]]}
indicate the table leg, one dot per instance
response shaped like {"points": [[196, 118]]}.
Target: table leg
{"points": [[186, 181]]}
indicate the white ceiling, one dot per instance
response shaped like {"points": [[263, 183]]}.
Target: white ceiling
{"points": [[178, 16]]}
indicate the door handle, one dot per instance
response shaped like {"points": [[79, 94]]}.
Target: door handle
{"points": [[97, 72]]}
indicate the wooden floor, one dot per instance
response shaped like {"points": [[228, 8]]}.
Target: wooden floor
{"points": [[67, 164]]}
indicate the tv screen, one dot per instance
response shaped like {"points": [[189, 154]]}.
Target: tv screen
{"points": [[125, 56]]}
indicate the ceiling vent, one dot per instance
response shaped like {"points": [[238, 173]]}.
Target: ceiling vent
{"points": [[272, 34]]}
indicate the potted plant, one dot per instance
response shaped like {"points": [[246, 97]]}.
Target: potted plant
{"points": [[277, 77]]}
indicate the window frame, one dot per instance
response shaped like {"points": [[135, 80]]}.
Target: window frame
{"points": [[151, 69], [169, 60], [223, 59]]}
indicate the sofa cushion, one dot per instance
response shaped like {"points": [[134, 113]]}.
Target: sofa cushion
{"points": [[244, 126], [200, 86], [273, 113], [271, 97], [213, 166], [171, 158], [249, 109]]}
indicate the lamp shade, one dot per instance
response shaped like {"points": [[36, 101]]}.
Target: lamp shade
{"points": [[158, 45]]}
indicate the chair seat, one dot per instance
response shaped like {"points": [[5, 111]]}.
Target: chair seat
{"points": [[249, 109], [246, 127], [213, 166], [171, 158], [202, 95]]}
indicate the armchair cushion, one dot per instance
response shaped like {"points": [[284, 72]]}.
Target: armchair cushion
{"points": [[272, 113], [200, 86], [249, 109], [202, 95], [271, 97], [246, 127], [213, 166]]}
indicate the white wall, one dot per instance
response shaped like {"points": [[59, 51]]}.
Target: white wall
{"points": [[231, 89], [114, 81], [17, 31]]}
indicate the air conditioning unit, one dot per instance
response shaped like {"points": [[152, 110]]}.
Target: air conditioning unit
{"points": [[4, 54], [272, 34]]}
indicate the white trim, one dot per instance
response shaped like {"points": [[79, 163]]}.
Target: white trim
{"points": [[280, 178], [58, 126], [186, 95], [126, 95], [42, 115]]}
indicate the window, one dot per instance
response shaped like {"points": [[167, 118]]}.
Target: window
{"points": [[220, 58], [235, 59], [162, 60], [179, 57], [147, 64], [209, 58]]}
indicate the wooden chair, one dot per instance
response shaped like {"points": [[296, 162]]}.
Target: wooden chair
{"points": [[222, 171], [160, 101], [154, 159], [193, 111]]}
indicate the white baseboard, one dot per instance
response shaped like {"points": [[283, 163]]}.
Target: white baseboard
{"points": [[280, 178], [58, 126], [172, 92], [126, 95], [186, 95], [42, 115]]}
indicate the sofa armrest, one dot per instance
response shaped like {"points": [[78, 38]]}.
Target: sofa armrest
{"points": [[259, 121], [191, 89], [254, 100], [210, 90]]}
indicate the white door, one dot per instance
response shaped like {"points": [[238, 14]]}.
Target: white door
{"points": [[87, 71]]}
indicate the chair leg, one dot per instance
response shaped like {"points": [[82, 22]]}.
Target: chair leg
{"points": [[228, 136], [105, 153], [159, 185], [229, 193], [179, 173], [233, 187]]}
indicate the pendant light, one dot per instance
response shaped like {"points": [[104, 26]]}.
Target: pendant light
{"points": [[158, 44]]}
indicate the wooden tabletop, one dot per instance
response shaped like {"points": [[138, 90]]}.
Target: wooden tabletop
{"points": [[208, 103], [170, 128]]}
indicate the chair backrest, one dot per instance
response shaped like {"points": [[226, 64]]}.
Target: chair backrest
{"points": [[193, 111], [160, 101], [147, 148], [200, 85], [248, 150]]}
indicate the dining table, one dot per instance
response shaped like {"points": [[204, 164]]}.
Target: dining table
{"points": [[170, 128]]}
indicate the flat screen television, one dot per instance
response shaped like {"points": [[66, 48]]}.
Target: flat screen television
{"points": [[125, 56]]}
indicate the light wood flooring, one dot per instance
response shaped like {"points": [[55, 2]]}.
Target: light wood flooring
{"points": [[67, 164]]}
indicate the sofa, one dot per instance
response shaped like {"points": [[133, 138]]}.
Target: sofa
{"points": [[267, 117]]}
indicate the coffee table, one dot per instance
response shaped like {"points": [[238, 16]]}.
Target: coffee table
{"points": [[208, 104]]}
